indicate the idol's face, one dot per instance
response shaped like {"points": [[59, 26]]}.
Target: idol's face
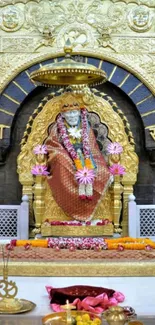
{"points": [[72, 117]]}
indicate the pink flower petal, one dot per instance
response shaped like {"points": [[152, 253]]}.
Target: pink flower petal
{"points": [[85, 176], [114, 148], [40, 149], [119, 296], [39, 170], [117, 169], [112, 302]]}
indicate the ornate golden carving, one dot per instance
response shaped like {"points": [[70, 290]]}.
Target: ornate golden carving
{"points": [[148, 3], [117, 204], [12, 18], [106, 230], [82, 268], [140, 19], [39, 203], [12, 2]]}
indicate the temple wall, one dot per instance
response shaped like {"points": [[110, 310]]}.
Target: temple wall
{"points": [[121, 32]]}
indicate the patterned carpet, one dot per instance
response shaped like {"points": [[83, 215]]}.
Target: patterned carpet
{"points": [[48, 254]]}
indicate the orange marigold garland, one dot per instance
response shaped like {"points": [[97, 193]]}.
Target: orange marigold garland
{"points": [[34, 243], [130, 243], [78, 164], [88, 163]]}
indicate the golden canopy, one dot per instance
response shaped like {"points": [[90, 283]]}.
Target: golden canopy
{"points": [[69, 72]]}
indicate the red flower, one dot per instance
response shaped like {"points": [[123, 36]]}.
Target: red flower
{"points": [[120, 248], [88, 223], [148, 247], [9, 247], [72, 248], [27, 246], [13, 242], [57, 248]]}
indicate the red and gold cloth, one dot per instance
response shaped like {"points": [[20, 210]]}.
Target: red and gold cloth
{"points": [[83, 297], [62, 177], [60, 295]]}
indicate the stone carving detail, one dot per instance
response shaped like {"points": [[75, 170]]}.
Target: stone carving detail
{"points": [[105, 39], [11, 44], [140, 19], [149, 66], [149, 3], [11, 19], [10, 2], [78, 35], [47, 40]]}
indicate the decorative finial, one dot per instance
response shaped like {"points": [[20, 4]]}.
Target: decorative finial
{"points": [[68, 48]]}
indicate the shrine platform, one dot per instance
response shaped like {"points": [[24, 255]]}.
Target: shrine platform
{"points": [[78, 263]]}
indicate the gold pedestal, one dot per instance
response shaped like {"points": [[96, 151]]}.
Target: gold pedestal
{"points": [[77, 231]]}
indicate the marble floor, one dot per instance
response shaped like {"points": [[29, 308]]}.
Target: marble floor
{"points": [[139, 293]]}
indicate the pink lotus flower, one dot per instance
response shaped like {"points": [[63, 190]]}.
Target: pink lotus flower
{"points": [[40, 149], [39, 170], [114, 148], [117, 169], [85, 176]]}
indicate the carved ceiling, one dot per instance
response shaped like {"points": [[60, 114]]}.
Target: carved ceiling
{"points": [[121, 29]]}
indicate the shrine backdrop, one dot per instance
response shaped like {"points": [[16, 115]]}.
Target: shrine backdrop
{"points": [[114, 35]]}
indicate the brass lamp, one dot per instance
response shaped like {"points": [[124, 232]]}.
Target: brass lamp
{"points": [[69, 72]]}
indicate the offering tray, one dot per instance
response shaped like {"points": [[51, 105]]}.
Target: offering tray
{"points": [[60, 318], [26, 306]]}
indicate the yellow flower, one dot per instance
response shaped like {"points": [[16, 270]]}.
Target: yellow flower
{"points": [[86, 317]]}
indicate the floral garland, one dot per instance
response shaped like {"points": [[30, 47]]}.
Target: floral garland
{"points": [[85, 141], [96, 244], [84, 175], [99, 222], [130, 243]]}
